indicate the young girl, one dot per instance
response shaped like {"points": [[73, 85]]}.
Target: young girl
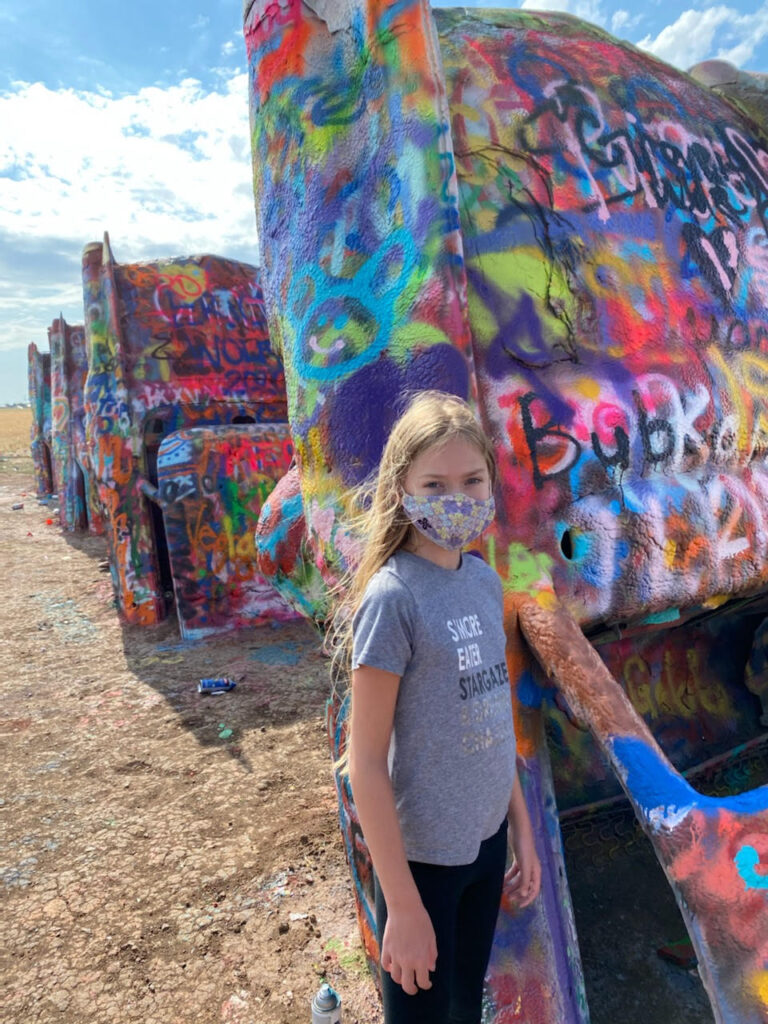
{"points": [[432, 744]]}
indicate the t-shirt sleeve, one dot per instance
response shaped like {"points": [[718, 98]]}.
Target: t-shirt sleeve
{"points": [[382, 626], [499, 588], [494, 581]]}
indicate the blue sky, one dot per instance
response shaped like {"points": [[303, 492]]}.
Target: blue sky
{"points": [[132, 118]]}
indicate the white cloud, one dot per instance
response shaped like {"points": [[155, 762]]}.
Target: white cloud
{"points": [[236, 44], [622, 19], [171, 165], [166, 171], [589, 10], [717, 31]]}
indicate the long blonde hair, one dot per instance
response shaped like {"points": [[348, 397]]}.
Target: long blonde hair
{"points": [[432, 418]]}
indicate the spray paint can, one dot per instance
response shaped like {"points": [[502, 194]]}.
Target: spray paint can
{"points": [[326, 1006], [212, 686]]}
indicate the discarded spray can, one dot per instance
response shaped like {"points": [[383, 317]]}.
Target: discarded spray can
{"points": [[326, 1006], [214, 686]]}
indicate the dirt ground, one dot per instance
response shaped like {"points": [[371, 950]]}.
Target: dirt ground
{"points": [[164, 857], [176, 859]]}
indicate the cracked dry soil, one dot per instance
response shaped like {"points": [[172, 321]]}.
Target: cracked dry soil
{"points": [[164, 857]]}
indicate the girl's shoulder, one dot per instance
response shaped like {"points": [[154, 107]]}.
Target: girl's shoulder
{"points": [[387, 580], [477, 567], [399, 580], [476, 563], [385, 576], [386, 593]]}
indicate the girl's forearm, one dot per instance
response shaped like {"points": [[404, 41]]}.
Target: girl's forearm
{"points": [[375, 803], [519, 818]]}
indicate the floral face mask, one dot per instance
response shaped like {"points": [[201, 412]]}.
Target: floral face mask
{"points": [[450, 520]]}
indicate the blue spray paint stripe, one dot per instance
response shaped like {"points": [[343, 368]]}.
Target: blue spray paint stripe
{"points": [[653, 783]]}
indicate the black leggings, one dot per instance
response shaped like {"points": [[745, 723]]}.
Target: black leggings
{"points": [[463, 903]]}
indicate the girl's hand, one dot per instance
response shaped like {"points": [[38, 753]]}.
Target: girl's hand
{"points": [[522, 881], [409, 948]]}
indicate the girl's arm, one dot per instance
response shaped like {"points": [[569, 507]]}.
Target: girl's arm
{"points": [[523, 879], [408, 947]]}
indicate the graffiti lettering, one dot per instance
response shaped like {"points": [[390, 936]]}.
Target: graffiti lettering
{"points": [[191, 352], [664, 429], [549, 456], [229, 308], [719, 183]]}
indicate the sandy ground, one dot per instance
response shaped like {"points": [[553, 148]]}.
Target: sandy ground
{"points": [[175, 859], [164, 857]]}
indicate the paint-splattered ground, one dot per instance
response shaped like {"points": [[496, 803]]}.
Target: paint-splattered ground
{"points": [[164, 857], [175, 859]]}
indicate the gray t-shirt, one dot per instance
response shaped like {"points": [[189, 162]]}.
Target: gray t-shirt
{"points": [[452, 753]]}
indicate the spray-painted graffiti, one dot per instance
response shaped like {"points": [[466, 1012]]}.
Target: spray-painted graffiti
{"points": [[630, 387], [39, 384], [78, 499], [172, 345], [598, 222], [367, 300], [715, 177], [368, 287], [283, 552], [183, 326], [704, 844], [212, 483], [690, 692]]}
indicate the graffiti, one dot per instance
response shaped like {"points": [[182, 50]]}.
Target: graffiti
{"points": [[627, 393], [658, 432], [376, 303], [357, 854], [747, 860], [212, 483], [669, 476], [191, 320], [723, 889], [175, 345], [191, 353], [379, 272], [39, 384], [190, 295], [283, 553], [78, 499], [719, 179], [599, 222], [690, 688]]}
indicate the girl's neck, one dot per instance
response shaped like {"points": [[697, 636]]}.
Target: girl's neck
{"points": [[422, 546]]}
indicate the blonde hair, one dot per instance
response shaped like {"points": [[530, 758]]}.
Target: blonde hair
{"points": [[431, 419]]}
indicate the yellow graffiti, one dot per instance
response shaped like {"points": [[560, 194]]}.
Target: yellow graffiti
{"points": [[530, 572], [736, 395], [759, 986], [526, 275], [638, 685], [677, 691], [755, 384], [242, 547], [187, 281]]}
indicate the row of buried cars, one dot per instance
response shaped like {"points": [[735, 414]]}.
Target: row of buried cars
{"points": [[522, 209], [161, 422]]}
